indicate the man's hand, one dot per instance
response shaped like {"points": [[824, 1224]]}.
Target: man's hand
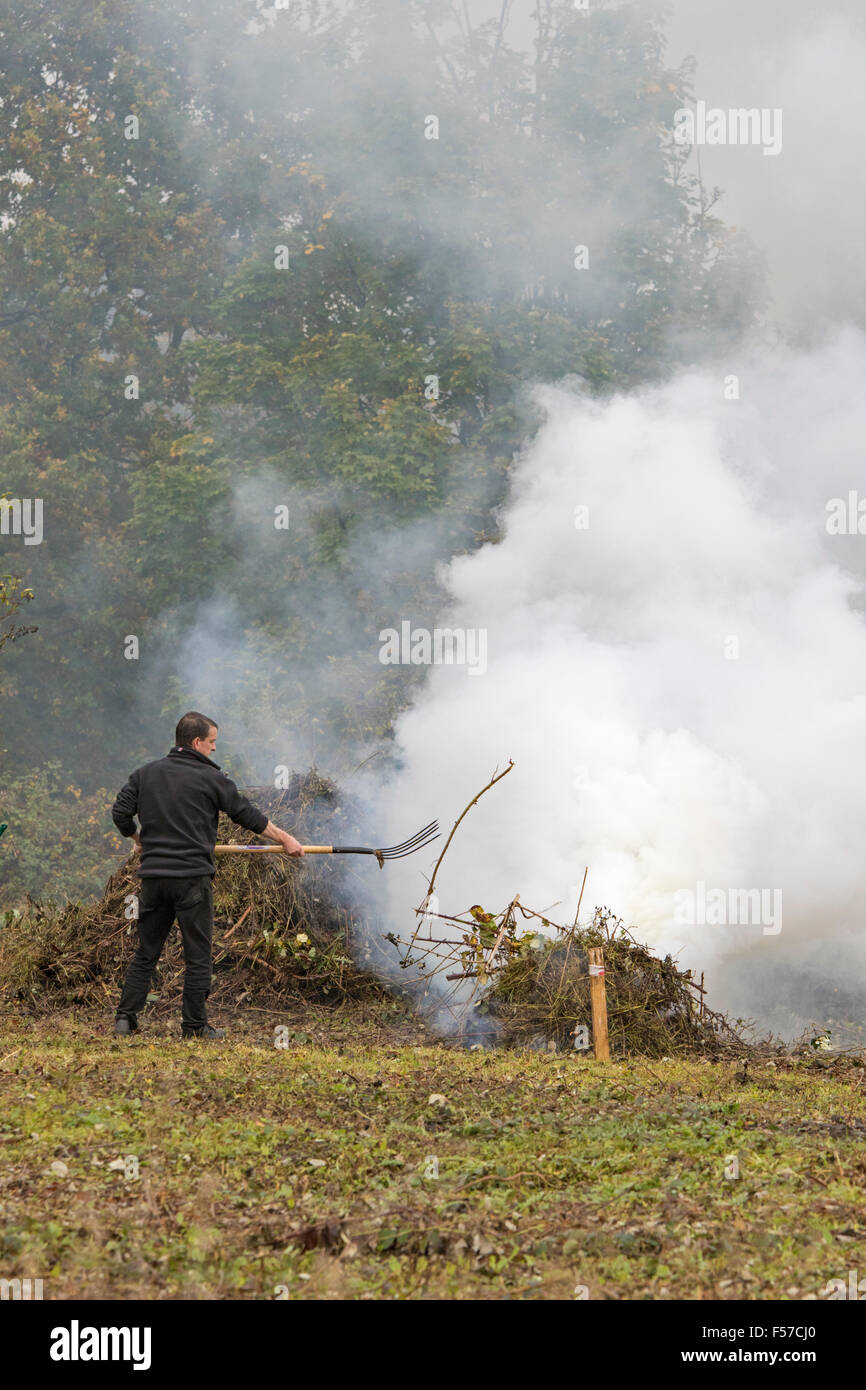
{"points": [[290, 844], [136, 840], [282, 837]]}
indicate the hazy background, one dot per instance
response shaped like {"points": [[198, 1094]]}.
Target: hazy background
{"points": [[805, 208]]}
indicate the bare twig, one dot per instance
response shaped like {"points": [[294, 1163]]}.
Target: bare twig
{"points": [[497, 777], [580, 899], [231, 931]]}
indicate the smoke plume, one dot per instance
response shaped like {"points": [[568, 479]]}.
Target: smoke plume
{"points": [[676, 663]]}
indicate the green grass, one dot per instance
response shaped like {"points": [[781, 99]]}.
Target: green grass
{"points": [[310, 1169]]}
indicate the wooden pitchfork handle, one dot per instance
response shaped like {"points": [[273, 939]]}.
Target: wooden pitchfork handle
{"points": [[308, 849], [270, 849]]}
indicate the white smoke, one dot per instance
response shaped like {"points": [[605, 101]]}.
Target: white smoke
{"points": [[681, 683]]}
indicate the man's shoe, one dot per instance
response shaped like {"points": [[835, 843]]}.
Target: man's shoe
{"points": [[123, 1027], [210, 1034]]}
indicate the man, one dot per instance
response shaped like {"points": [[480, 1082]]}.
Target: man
{"points": [[177, 800]]}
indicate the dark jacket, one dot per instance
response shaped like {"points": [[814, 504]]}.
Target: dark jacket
{"points": [[178, 799]]}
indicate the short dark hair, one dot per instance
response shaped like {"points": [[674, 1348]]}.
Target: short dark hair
{"points": [[192, 726]]}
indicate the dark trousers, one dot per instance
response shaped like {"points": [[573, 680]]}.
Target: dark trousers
{"points": [[160, 900]]}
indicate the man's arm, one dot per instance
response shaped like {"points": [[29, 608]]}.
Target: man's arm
{"points": [[244, 813], [124, 808], [282, 837]]}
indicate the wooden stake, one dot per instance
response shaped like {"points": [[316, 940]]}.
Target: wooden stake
{"points": [[598, 999]]}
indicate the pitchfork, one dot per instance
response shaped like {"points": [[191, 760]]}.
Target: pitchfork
{"points": [[415, 842]]}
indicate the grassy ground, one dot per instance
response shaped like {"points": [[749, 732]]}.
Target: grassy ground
{"points": [[371, 1162]]}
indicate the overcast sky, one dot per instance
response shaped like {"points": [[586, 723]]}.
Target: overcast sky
{"points": [[806, 207]]}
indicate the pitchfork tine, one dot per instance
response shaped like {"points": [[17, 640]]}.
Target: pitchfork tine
{"points": [[404, 853], [428, 830], [417, 841]]}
